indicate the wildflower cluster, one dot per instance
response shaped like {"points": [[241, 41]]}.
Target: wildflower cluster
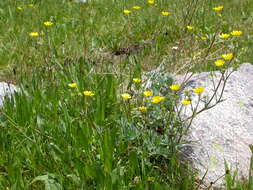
{"points": [[37, 34], [85, 92], [21, 8], [233, 33], [147, 100], [226, 57], [150, 2]]}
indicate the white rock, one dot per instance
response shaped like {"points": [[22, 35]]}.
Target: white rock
{"points": [[225, 131], [6, 90]]}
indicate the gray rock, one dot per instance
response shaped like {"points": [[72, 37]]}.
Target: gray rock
{"points": [[6, 90], [225, 131]]}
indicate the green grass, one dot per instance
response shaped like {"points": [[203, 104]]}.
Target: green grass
{"points": [[53, 138], [100, 27]]}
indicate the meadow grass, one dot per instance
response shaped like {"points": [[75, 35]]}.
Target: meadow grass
{"points": [[55, 136]]}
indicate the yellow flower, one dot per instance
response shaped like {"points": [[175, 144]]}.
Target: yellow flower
{"points": [[236, 33], [219, 62], [72, 85], [189, 27], [48, 23], [151, 1], [126, 12], [199, 90], [175, 87], [150, 179], [136, 7], [136, 80], [20, 8], [148, 93], [157, 99], [34, 34], [203, 38], [228, 56], [165, 13], [88, 93], [143, 108], [186, 102], [126, 96], [224, 36], [219, 8]]}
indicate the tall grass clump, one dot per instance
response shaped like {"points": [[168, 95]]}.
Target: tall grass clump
{"points": [[77, 132], [87, 114]]}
